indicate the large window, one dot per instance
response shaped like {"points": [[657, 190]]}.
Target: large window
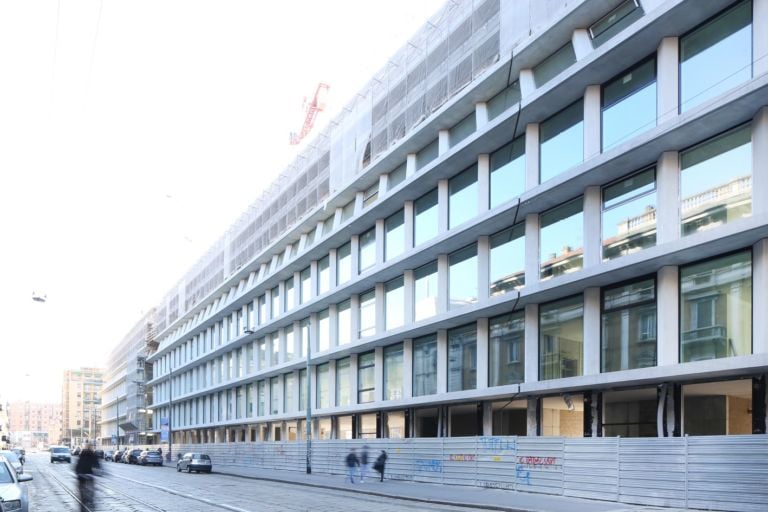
{"points": [[290, 294], [366, 379], [463, 197], [425, 221], [261, 406], [394, 241], [343, 380], [425, 366], [504, 100], [506, 349], [306, 285], [615, 21], [344, 316], [561, 139], [629, 326], [629, 104], [367, 250], [274, 395], [554, 64], [561, 338], [262, 300], [716, 308], [395, 303], [561, 239], [716, 56], [462, 277], [289, 380], [629, 215], [275, 294], [323, 331], [343, 264], [427, 154], [507, 265], [425, 291], [508, 172], [393, 372], [323, 275], [290, 344], [368, 314], [462, 358], [323, 386], [716, 181]]}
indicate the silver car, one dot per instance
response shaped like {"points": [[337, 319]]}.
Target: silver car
{"points": [[14, 460], [13, 495], [194, 462]]}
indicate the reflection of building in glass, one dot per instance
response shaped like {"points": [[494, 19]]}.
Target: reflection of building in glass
{"points": [[717, 206], [633, 234]]}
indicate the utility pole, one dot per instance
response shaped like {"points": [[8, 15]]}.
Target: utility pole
{"points": [[170, 412], [309, 409]]}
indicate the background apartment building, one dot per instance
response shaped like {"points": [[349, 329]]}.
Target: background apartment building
{"points": [[80, 405], [33, 424]]}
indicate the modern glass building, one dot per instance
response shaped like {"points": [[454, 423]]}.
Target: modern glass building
{"points": [[545, 220]]}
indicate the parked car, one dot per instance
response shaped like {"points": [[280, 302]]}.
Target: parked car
{"points": [[14, 460], [118, 455], [133, 456], [99, 454], [12, 493], [150, 457], [109, 455], [194, 462], [60, 454]]}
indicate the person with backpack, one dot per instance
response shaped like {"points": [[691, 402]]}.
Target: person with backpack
{"points": [[381, 462], [352, 462]]}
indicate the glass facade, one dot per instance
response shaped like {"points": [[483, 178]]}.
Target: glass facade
{"points": [[716, 181], [323, 385], [343, 264], [368, 314], [629, 215], [290, 294], [395, 303], [462, 277], [344, 317], [306, 285], [553, 65], [717, 56], [274, 395], [561, 338], [343, 382], [508, 172], [275, 294], [716, 308], [323, 330], [393, 372], [425, 291], [507, 260], [289, 394], [462, 197], [561, 239], [629, 326], [462, 358], [561, 141], [629, 104], [425, 218], [367, 250], [394, 242], [506, 349], [425, 366], [323, 275], [366, 380]]}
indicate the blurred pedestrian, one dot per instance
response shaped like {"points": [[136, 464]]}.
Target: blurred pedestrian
{"points": [[352, 463], [84, 470], [381, 462], [363, 463]]}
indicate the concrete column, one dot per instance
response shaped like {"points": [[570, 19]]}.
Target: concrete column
{"points": [[337, 216], [355, 250], [483, 268], [487, 418], [668, 194], [582, 43], [442, 206], [263, 270], [482, 353], [319, 230], [532, 248], [442, 283], [759, 37], [381, 311], [481, 114], [353, 379], [267, 304], [332, 380], [409, 281], [760, 154], [668, 307], [332, 268], [280, 343], [296, 289], [333, 324], [380, 235], [354, 309], [531, 156], [312, 344], [527, 83], [408, 368], [410, 164], [378, 374], [592, 119], [483, 183], [313, 280], [442, 361], [532, 417], [297, 340], [668, 79], [760, 296], [443, 141], [593, 205], [359, 199], [591, 331], [531, 336], [295, 397], [312, 390], [281, 303], [408, 222]]}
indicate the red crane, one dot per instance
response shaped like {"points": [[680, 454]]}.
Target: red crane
{"points": [[312, 108]]}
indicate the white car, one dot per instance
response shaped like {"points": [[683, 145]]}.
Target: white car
{"points": [[14, 460], [14, 495]]}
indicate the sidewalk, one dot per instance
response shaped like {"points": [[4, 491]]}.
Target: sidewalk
{"points": [[474, 497]]}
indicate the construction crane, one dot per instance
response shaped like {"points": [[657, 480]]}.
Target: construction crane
{"points": [[311, 108]]}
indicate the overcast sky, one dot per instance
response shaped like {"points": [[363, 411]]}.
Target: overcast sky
{"points": [[133, 134]]}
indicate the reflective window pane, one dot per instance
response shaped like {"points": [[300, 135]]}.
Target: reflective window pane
{"points": [[367, 252], [323, 275], [394, 242], [425, 366], [462, 197], [396, 177], [462, 277], [323, 386], [508, 172], [368, 314], [427, 154], [290, 294], [393, 372], [716, 56], [462, 129], [716, 181], [561, 141], [629, 326], [343, 264], [343, 380], [425, 291], [275, 302], [629, 104], [615, 21], [366, 379], [507, 265], [462, 358], [395, 303], [306, 285], [506, 349], [561, 239], [504, 100], [553, 65], [344, 317], [323, 330], [425, 221], [561, 338], [716, 308], [629, 215]]}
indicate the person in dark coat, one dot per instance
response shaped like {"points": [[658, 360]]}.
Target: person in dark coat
{"points": [[352, 462], [86, 463], [363, 463], [381, 462]]}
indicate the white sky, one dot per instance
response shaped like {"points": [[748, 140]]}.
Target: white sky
{"points": [[131, 140]]}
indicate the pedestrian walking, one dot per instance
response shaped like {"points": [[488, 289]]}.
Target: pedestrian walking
{"points": [[363, 463], [381, 462], [352, 463]]}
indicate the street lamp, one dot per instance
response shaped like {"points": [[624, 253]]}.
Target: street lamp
{"points": [[309, 410]]}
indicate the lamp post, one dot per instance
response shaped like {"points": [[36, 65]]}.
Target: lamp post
{"points": [[170, 411], [309, 410]]}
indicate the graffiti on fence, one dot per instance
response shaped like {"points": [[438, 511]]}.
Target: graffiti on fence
{"points": [[496, 444], [536, 462], [495, 485], [522, 475], [462, 457], [429, 465]]}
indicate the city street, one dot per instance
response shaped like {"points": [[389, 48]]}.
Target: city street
{"points": [[136, 488]]}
